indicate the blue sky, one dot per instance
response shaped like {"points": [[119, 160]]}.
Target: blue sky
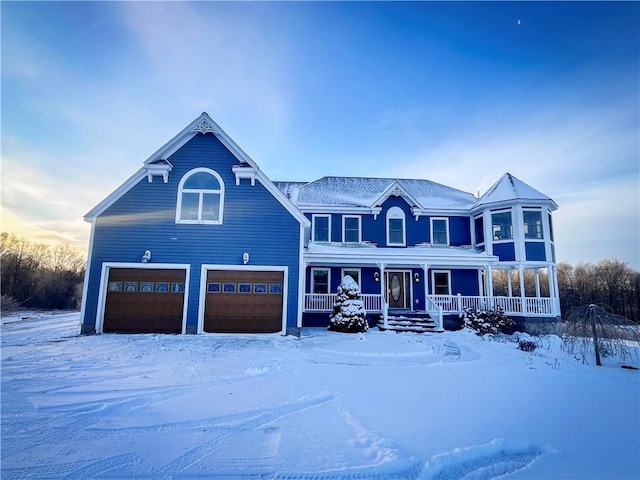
{"points": [[458, 93]]}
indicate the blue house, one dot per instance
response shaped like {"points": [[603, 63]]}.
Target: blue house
{"points": [[200, 240]]}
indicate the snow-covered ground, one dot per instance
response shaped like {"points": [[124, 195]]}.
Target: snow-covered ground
{"points": [[325, 406]]}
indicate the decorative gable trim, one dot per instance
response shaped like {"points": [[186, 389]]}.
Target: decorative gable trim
{"points": [[244, 171], [395, 189], [160, 168]]}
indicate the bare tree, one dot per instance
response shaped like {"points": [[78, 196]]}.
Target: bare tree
{"points": [[595, 328]]}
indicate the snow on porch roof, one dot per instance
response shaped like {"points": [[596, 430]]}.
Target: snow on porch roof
{"points": [[363, 192]]}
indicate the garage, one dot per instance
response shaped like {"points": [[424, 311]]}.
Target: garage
{"points": [[144, 300], [244, 301]]}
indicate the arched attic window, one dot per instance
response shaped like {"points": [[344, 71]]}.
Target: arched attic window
{"points": [[200, 197], [396, 234]]}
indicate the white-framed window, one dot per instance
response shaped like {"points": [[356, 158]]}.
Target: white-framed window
{"points": [[502, 225], [353, 273], [550, 226], [439, 231], [396, 235], [532, 224], [200, 197], [351, 229], [441, 282], [321, 227], [320, 280], [478, 224]]}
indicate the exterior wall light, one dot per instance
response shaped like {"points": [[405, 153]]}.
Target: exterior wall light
{"points": [[416, 277], [146, 257], [376, 276], [245, 258]]}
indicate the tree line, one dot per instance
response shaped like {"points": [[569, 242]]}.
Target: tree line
{"points": [[40, 276], [608, 282], [36, 275]]}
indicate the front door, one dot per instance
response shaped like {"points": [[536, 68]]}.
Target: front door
{"points": [[398, 295]]}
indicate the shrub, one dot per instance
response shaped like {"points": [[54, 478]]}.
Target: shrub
{"points": [[486, 321], [527, 345], [348, 311]]}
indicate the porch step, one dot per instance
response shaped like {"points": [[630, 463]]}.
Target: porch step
{"points": [[402, 323]]}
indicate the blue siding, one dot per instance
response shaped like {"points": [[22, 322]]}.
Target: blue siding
{"points": [[376, 230], [535, 251], [144, 219], [459, 231], [464, 282], [506, 252]]}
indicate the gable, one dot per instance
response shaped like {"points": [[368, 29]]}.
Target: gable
{"points": [[223, 153]]}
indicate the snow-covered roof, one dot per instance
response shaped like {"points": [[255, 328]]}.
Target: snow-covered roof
{"points": [[510, 188], [367, 192], [420, 254]]}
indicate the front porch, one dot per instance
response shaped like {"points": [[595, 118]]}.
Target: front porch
{"points": [[450, 304]]}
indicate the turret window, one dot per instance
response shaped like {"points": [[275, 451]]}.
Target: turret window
{"points": [[532, 224], [502, 225]]}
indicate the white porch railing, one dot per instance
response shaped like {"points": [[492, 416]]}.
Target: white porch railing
{"points": [[439, 304], [323, 302], [542, 306]]}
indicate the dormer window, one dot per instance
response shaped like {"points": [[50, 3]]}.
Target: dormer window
{"points": [[200, 197], [396, 235]]}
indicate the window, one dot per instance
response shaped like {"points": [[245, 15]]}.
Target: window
{"points": [[395, 227], [502, 226], [353, 273], [200, 197], [479, 227], [439, 231], [550, 228], [320, 280], [321, 228], [532, 224], [351, 229], [441, 282]]}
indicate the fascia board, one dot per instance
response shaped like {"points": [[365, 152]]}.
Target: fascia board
{"points": [[282, 198], [346, 257], [518, 201], [115, 195], [334, 209]]}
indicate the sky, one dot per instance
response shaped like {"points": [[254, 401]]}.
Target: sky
{"points": [[454, 92]]}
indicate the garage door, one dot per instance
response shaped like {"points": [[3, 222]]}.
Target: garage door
{"points": [[144, 300], [243, 301]]}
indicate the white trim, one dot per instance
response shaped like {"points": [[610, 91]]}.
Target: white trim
{"points": [[87, 271], [353, 269], [313, 227], [446, 220], [394, 213], [201, 192], [302, 268], [312, 283], [104, 277], [256, 268], [396, 190], [344, 221], [433, 281]]}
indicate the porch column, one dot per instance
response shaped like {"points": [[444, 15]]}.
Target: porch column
{"points": [[490, 284], [554, 269], [522, 296], [425, 269], [537, 282], [509, 286], [383, 303]]}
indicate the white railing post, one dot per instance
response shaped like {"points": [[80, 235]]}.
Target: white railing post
{"points": [[459, 298]]}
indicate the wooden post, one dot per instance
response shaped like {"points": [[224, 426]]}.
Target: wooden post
{"points": [[595, 334]]}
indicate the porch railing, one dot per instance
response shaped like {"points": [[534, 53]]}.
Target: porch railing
{"points": [[543, 306], [323, 302]]}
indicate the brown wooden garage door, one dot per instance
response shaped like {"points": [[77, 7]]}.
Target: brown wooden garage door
{"points": [[243, 301], [144, 300]]}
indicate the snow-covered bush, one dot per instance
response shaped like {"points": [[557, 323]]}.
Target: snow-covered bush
{"points": [[348, 311], [486, 321]]}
